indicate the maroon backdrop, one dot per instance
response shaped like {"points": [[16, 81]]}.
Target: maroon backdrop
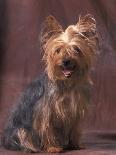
{"points": [[20, 57]]}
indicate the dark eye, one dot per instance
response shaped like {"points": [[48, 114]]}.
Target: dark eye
{"points": [[76, 49], [58, 50]]}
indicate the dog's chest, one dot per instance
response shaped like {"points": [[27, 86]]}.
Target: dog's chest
{"points": [[67, 103]]}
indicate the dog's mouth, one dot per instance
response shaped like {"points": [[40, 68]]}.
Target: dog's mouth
{"points": [[68, 67], [67, 73]]}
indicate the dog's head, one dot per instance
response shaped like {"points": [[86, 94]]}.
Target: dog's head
{"points": [[69, 53]]}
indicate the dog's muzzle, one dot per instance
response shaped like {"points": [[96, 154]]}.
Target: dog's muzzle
{"points": [[68, 66]]}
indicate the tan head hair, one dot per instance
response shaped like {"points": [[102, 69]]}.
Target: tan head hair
{"points": [[82, 35]]}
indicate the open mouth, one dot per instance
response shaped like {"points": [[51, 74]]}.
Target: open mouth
{"points": [[67, 73], [68, 67]]}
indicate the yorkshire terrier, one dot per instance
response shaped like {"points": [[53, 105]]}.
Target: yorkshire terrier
{"points": [[49, 114]]}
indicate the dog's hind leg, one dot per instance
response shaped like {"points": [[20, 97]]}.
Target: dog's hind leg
{"points": [[26, 141]]}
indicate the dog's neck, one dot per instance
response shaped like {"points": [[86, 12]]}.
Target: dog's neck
{"points": [[62, 85]]}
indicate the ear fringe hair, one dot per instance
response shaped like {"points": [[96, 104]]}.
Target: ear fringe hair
{"points": [[49, 28], [86, 26]]}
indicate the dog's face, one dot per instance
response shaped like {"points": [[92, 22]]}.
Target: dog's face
{"points": [[69, 54]]}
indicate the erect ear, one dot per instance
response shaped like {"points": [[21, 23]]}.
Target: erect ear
{"points": [[86, 26], [50, 27]]}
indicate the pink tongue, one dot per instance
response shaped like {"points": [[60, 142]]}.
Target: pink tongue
{"points": [[67, 72]]}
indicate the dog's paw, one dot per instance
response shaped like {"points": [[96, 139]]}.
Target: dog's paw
{"points": [[54, 149]]}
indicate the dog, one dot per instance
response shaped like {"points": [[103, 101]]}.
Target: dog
{"points": [[50, 112]]}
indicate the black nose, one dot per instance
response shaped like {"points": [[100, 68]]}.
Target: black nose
{"points": [[66, 62]]}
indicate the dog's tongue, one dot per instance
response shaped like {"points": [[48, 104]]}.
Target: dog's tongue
{"points": [[67, 73]]}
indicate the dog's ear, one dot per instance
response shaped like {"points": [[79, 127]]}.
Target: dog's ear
{"points": [[50, 28], [86, 26]]}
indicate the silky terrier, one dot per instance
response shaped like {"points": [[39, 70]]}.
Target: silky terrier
{"points": [[49, 114]]}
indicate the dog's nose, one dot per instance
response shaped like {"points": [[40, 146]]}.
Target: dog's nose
{"points": [[66, 62]]}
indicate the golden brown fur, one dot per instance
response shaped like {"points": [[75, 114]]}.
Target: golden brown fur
{"points": [[83, 35]]}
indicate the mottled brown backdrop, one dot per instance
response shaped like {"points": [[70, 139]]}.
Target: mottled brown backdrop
{"points": [[20, 57]]}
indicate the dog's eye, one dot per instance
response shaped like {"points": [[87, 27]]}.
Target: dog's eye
{"points": [[76, 49], [58, 50]]}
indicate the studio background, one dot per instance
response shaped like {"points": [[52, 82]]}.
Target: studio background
{"points": [[20, 57]]}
